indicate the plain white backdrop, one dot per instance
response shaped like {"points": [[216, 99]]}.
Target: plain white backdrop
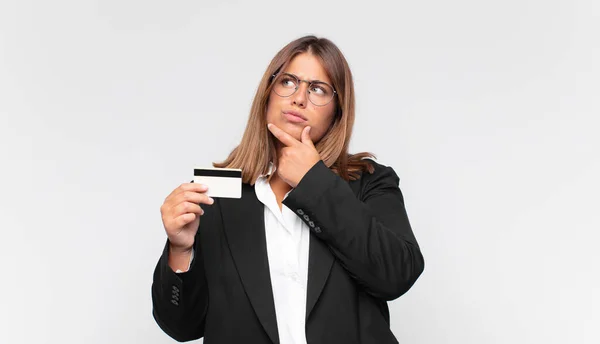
{"points": [[487, 110]]}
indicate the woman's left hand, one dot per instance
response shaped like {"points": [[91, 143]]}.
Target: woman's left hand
{"points": [[297, 157]]}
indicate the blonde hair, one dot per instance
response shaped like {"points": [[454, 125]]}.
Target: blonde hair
{"points": [[257, 147]]}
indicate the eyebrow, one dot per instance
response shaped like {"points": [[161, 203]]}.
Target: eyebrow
{"points": [[316, 80]]}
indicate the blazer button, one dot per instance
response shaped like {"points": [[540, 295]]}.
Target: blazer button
{"points": [[300, 211], [306, 217], [318, 229], [310, 223], [175, 302]]}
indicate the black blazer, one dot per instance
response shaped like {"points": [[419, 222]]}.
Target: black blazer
{"points": [[362, 253]]}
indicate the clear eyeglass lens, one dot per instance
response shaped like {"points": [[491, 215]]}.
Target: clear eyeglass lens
{"points": [[285, 85], [318, 93]]}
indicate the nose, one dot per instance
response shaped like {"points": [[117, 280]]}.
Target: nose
{"points": [[300, 97]]}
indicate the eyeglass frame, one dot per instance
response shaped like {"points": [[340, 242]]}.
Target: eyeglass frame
{"points": [[309, 82]]}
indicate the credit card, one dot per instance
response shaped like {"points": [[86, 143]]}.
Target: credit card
{"points": [[221, 182]]}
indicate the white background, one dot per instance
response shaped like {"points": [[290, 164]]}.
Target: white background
{"points": [[487, 110]]}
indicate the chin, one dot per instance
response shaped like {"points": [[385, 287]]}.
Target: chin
{"points": [[294, 129]]}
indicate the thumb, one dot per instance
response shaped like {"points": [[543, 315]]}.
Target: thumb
{"points": [[306, 137]]}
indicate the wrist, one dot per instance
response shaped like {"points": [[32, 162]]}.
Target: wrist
{"points": [[178, 250], [180, 259]]}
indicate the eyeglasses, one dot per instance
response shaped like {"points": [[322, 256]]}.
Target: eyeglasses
{"points": [[319, 93]]}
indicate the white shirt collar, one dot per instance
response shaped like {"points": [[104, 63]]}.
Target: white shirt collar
{"points": [[263, 188], [272, 168]]}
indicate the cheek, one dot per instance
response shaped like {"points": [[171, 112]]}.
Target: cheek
{"points": [[326, 116], [326, 120], [272, 107]]}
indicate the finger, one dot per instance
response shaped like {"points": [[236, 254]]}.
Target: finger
{"points": [[187, 187], [184, 219], [188, 196], [196, 187], [282, 136], [194, 197], [186, 208], [178, 220], [306, 137]]}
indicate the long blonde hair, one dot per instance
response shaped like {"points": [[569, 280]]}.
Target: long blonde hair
{"points": [[257, 147]]}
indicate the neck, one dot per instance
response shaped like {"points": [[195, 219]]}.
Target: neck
{"points": [[280, 188], [278, 185]]}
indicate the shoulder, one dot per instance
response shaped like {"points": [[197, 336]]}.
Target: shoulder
{"points": [[380, 171], [384, 177]]}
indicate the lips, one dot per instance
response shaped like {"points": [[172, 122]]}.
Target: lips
{"points": [[294, 113], [294, 117]]}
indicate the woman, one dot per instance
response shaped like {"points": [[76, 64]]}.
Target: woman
{"points": [[320, 239]]}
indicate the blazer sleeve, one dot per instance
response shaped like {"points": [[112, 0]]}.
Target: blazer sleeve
{"points": [[370, 236], [180, 300]]}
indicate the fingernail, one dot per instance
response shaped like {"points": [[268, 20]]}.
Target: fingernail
{"points": [[211, 200]]}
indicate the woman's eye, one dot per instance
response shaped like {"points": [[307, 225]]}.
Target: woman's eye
{"points": [[318, 90], [288, 82]]}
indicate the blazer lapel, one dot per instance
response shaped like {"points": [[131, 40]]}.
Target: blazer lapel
{"points": [[320, 261], [244, 226]]}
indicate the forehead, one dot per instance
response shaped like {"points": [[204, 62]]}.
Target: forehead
{"points": [[308, 67]]}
